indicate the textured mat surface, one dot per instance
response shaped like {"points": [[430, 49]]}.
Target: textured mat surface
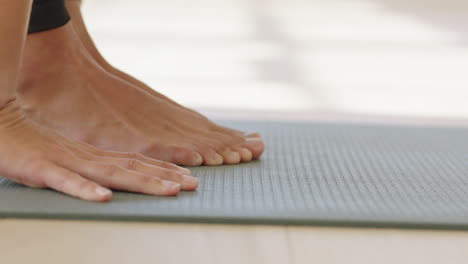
{"points": [[318, 174]]}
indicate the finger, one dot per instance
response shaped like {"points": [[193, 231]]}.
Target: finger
{"points": [[118, 178], [255, 146], [187, 182], [71, 183], [136, 156]]}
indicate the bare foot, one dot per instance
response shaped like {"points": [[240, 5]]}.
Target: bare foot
{"points": [[42, 158], [79, 26], [63, 87]]}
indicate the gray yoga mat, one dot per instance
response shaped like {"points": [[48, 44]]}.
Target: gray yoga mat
{"points": [[311, 174]]}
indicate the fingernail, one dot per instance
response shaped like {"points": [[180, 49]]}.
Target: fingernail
{"points": [[171, 185], [189, 179], [184, 171], [101, 191]]}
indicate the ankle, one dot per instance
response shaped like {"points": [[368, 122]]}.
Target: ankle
{"points": [[7, 88], [10, 111], [48, 55], [75, 1], [51, 45], [4, 102]]}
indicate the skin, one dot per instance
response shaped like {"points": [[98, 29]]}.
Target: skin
{"points": [[42, 158], [89, 103], [256, 144], [79, 26]]}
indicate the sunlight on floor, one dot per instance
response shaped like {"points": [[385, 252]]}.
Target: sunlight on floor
{"points": [[366, 57]]}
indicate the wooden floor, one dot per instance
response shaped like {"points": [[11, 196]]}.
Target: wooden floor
{"points": [[272, 59], [71, 242]]}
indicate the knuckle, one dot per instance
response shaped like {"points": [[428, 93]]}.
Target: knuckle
{"points": [[174, 175], [32, 171], [146, 183], [145, 180], [132, 155], [86, 185], [156, 180], [36, 164], [166, 165], [109, 170], [148, 180], [132, 164], [60, 183]]}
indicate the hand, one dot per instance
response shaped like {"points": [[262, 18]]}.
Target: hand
{"points": [[41, 158]]}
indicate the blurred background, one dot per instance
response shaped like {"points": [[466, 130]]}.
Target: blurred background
{"points": [[395, 58]]}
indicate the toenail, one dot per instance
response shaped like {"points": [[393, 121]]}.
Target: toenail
{"points": [[218, 158], [246, 152], [251, 134], [197, 159]]}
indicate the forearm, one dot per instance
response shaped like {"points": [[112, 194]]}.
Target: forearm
{"points": [[14, 16]]}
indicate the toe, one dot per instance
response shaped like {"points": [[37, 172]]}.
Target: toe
{"points": [[246, 154], [251, 141], [251, 135], [230, 156], [213, 159], [209, 155], [256, 146], [221, 146], [187, 157], [175, 154]]}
